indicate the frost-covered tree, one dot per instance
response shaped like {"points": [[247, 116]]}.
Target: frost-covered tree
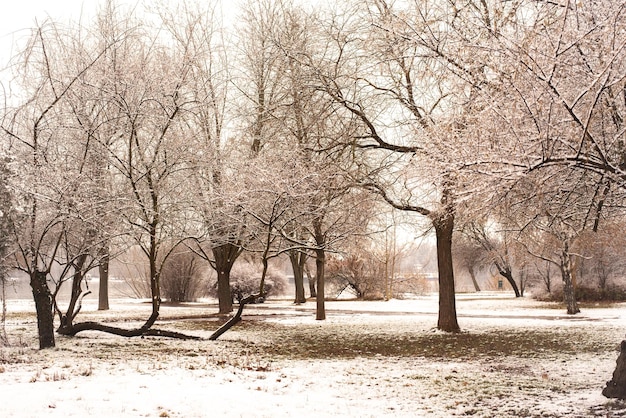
{"points": [[40, 131], [406, 73], [288, 116], [219, 229], [150, 88], [123, 96], [498, 249], [468, 255]]}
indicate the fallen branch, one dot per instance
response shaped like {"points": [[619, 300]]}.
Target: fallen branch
{"points": [[236, 318], [122, 332]]}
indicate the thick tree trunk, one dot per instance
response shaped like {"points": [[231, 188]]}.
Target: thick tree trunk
{"points": [[320, 260], [569, 295], [444, 226], [616, 387], [298, 259], [225, 256], [569, 291], [224, 296], [43, 305], [103, 285]]}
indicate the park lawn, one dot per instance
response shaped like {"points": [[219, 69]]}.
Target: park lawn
{"points": [[515, 357]]}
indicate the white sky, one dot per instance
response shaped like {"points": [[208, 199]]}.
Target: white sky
{"points": [[19, 15]]}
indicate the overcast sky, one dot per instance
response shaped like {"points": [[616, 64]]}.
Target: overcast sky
{"points": [[19, 15]]}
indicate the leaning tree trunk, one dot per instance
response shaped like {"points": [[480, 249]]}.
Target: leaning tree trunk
{"points": [[243, 302], [144, 330], [616, 387], [76, 295], [155, 293], [472, 274], [444, 225], [508, 275], [43, 305]]}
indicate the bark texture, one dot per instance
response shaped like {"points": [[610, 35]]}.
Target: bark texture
{"points": [[320, 260], [298, 258], [616, 387], [225, 256], [569, 289], [103, 285], [444, 226], [43, 305]]}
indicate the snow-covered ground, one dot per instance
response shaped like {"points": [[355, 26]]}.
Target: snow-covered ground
{"points": [[515, 357]]}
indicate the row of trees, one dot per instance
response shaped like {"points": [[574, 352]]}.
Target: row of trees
{"points": [[525, 260], [284, 134]]}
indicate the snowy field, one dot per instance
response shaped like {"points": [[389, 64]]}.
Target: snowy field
{"points": [[514, 358]]}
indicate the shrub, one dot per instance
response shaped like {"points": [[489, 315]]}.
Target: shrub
{"points": [[245, 279], [182, 278], [363, 276]]}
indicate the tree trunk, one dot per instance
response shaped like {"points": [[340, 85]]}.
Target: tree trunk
{"points": [[472, 274], [311, 281], [103, 285], [4, 340], [224, 296], [616, 387], [236, 318], [569, 291], [43, 305], [547, 277], [145, 329], [444, 226], [320, 259], [298, 259], [225, 256], [508, 275], [74, 305]]}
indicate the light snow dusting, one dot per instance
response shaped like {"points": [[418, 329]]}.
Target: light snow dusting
{"points": [[515, 358]]}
